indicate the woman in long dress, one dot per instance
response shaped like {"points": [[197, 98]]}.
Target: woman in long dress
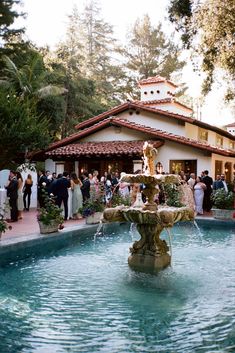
{"points": [[76, 195], [20, 203], [199, 188], [124, 188], [27, 191]]}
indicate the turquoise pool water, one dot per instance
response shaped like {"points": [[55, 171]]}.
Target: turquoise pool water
{"points": [[84, 298]]}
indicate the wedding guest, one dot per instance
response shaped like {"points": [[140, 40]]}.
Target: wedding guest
{"points": [[115, 181], [85, 187], [108, 190], [27, 191], [20, 203], [104, 178], [182, 175], [208, 181], [217, 184], [94, 185], [192, 180], [76, 195], [225, 186], [135, 189], [124, 187], [12, 193], [61, 192], [96, 180], [199, 189]]}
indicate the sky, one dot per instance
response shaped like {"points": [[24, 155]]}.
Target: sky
{"points": [[46, 25]]}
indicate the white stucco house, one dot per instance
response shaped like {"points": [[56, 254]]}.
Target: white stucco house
{"points": [[114, 139]]}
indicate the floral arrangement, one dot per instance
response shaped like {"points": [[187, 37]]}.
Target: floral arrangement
{"points": [[91, 206], [222, 199], [50, 212], [3, 223], [26, 166]]}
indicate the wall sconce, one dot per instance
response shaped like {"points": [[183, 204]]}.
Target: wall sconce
{"points": [[82, 170], [226, 170]]}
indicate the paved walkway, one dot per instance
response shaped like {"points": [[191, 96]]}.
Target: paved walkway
{"points": [[29, 225]]}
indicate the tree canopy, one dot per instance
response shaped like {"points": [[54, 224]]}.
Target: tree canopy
{"points": [[22, 129], [208, 27], [149, 52], [8, 14]]}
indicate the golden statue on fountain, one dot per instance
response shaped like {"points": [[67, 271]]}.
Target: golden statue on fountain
{"points": [[150, 253]]}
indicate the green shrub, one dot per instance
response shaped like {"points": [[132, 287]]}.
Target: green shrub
{"points": [[173, 195], [222, 199]]}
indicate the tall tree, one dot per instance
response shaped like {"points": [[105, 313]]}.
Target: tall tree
{"points": [[81, 101], [8, 14], [208, 27], [97, 48], [22, 130], [150, 52], [31, 80], [10, 41]]}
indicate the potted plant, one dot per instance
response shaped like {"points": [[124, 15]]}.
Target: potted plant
{"points": [[49, 217], [92, 210], [223, 204], [3, 223]]}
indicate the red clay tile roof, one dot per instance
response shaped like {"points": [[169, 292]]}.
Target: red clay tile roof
{"points": [[156, 133], [177, 138], [140, 106], [162, 101], [230, 125], [156, 79], [106, 114], [101, 149]]}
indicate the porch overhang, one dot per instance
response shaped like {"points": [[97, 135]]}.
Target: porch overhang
{"points": [[106, 149]]}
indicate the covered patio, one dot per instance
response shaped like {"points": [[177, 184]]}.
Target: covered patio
{"points": [[107, 156]]}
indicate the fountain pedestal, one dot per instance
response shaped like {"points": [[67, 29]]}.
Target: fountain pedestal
{"points": [[150, 253]]}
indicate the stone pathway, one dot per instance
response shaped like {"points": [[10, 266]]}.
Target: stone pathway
{"points": [[29, 225]]}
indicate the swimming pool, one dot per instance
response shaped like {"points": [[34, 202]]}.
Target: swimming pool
{"points": [[85, 298]]}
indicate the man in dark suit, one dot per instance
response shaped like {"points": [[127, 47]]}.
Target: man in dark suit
{"points": [[61, 192], [217, 184], [12, 193], [208, 181], [85, 187]]}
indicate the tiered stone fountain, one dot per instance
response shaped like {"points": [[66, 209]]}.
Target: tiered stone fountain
{"points": [[150, 253]]}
